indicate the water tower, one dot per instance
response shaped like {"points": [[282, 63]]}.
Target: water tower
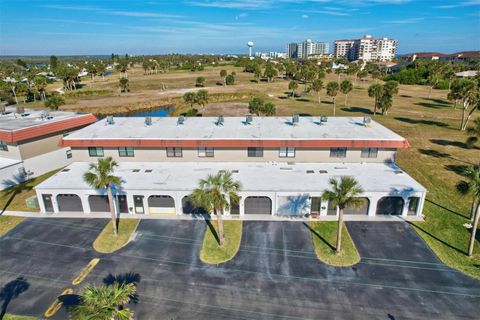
{"points": [[250, 45]]}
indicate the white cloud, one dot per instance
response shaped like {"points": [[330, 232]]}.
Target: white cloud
{"points": [[304, 16], [459, 4], [405, 21]]}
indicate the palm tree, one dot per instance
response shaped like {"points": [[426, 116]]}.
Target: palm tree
{"points": [[223, 74], [317, 86], [471, 186], [215, 194], [269, 109], [375, 91], [190, 97], [344, 193], [474, 133], [332, 91], [255, 105], [100, 176], [123, 84], [376, 74], [200, 82], [202, 97], [105, 302], [293, 85], [346, 86], [470, 96]]}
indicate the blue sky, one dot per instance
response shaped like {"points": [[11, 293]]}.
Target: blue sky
{"points": [[30, 27]]}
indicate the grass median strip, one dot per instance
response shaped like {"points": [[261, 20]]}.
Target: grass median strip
{"points": [[56, 305], [7, 223], [107, 242], [324, 237], [211, 252]]}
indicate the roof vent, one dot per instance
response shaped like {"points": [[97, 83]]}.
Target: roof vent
{"points": [[20, 109], [2, 109], [220, 121], [398, 172], [180, 120], [310, 171], [367, 121], [148, 121], [110, 120], [248, 119], [44, 115], [322, 171], [295, 119], [323, 119]]}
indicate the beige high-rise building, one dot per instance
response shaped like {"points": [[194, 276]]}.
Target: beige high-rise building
{"points": [[366, 48]]}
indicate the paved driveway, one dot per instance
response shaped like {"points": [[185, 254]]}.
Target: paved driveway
{"points": [[48, 254], [275, 275]]}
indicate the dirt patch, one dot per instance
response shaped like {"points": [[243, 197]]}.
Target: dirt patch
{"points": [[225, 108]]}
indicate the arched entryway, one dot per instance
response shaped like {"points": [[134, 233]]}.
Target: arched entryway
{"points": [[189, 208], [69, 202], [362, 209], [258, 205], [161, 204], [390, 205], [98, 203]]}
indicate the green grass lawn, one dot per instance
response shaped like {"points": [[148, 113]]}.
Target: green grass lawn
{"points": [[211, 252], [324, 237], [107, 242], [13, 198], [7, 223], [14, 317]]}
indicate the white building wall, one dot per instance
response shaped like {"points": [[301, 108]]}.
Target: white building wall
{"points": [[47, 162]]}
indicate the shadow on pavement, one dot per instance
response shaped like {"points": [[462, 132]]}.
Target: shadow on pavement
{"points": [[11, 291]]}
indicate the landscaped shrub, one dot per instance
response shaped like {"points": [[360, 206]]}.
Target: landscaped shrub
{"points": [[441, 85]]}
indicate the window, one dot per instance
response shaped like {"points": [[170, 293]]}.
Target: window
{"points": [[3, 146], [174, 152], [69, 154], [369, 153], [126, 152], [205, 152], [338, 152], [287, 152], [255, 152], [95, 152]]}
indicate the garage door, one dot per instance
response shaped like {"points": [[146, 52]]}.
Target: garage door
{"points": [[161, 204], [361, 210], [297, 205], [190, 208], [98, 203], [258, 205], [69, 202], [390, 205]]}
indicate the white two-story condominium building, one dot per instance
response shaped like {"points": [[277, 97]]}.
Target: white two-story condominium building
{"points": [[283, 164], [30, 141]]}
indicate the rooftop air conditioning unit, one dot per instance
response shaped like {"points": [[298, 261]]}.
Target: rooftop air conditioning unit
{"points": [[295, 119], [248, 119], [367, 121], [2, 109], [220, 121], [110, 120], [323, 119], [180, 120], [148, 121]]}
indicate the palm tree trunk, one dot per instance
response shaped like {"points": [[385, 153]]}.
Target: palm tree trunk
{"points": [[15, 95], [375, 107], [221, 235], [346, 97], [319, 100], [334, 106], [474, 231], [339, 231], [472, 211], [430, 92], [463, 117], [112, 210]]}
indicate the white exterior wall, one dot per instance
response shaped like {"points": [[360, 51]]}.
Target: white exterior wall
{"points": [[236, 155], [9, 175], [47, 162], [275, 197]]}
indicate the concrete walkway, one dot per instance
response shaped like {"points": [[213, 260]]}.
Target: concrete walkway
{"points": [[249, 217]]}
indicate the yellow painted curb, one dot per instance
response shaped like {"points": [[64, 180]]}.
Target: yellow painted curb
{"points": [[84, 273], [57, 304]]}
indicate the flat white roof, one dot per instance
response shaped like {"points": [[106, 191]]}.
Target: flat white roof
{"points": [[7, 162], [261, 128], [257, 176], [10, 120]]}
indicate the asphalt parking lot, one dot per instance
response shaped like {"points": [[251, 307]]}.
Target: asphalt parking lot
{"points": [[275, 275]]}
